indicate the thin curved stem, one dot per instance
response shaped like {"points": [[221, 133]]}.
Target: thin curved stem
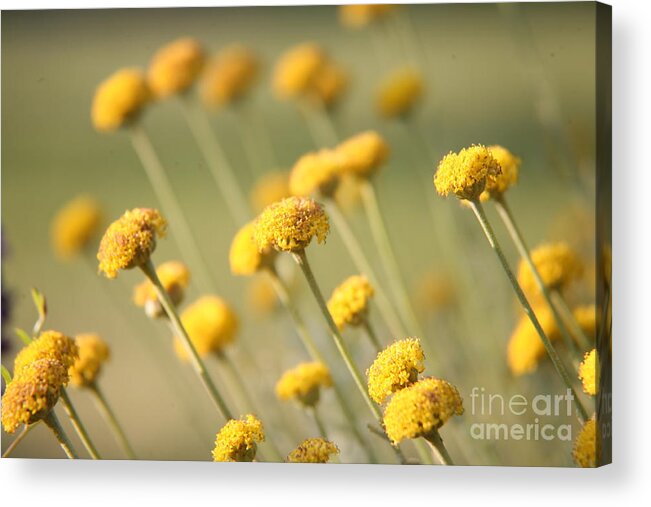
{"points": [[323, 433], [26, 429], [109, 416], [195, 360], [78, 424], [52, 422], [551, 351], [438, 448], [185, 240], [566, 313]]}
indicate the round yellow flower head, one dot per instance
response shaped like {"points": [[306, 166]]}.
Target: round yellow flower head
{"points": [[395, 368], [237, 440], [75, 225], [510, 165], [585, 445], [289, 225], [50, 345], [174, 276], [330, 83], [315, 173], [211, 325], [244, 257], [230, 76], [399, 93], [589, 373], [363, 154], [313, 450], [349, 303], [465, 174], [525, 348], [175, 67], [269, 188], [303, 383], [32, 393], [93, 353], [130, 240], [586, 316], [421, 408], [261, 296], [297, 69], [119, 100], [360, 15], [556, 263]]}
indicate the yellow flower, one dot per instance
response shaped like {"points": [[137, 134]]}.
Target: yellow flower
{"points": [[399, 93], [363, 154], [237, 440], [435, 290], [130, 240], [589, 373], [510, 165], [244, 257], [395, 368], [271, 187], [585, 445], [50, 345], [313, 450], [525, 348], [361, 15], [304, 382], [297, 69], [421, 408], [175, 67], [261, 296], [230, 76], [586, 316], [348, 194], [556, 263], [32, 393], [75, 225], [465, 174], [330, 83], [211, 325], [93, 353], [289, 225], [119, 100], [315, 173], [174, 276], [349, 302]]}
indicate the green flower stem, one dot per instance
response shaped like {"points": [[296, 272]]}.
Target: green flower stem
{"points": [[323, 433], [218, 164], [560, 303], [78, 425], [383, 244], [164, 191], [301, 260], [438, 448], [507, 217], [364, 267], [52, 422], [551, 351], [26, 429], [196, 361], [372, 336], [109, 416], [315, 355]]}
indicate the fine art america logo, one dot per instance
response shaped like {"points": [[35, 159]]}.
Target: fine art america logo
{"points": [[541, 406]]}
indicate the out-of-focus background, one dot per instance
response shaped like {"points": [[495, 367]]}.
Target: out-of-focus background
{"points": [[521, 76]]}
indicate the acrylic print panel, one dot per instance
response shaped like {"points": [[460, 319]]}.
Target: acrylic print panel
{"points": [[342, 234]]}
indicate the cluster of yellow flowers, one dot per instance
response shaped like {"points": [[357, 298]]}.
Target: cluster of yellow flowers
{"points": [[556, 263], [304, 383], [395, 368], [238, 440], [229, 76], [467, 173], [93, 353], [349, 303], [313, 450]]}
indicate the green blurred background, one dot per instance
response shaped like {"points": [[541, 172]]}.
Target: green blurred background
{"points": [[493, 76]]}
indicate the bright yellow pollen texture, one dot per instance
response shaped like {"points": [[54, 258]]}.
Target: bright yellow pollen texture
{"points": [[557, 264], [363, 154], [229, 76], [174, 276], [297, 69], [525, 348], [130, 240], [175, 67], [399, 93], [589, 373], [395, 368], [303, 382], [119, 99], [585, 445], [289, 225], [211, 325], [49, 345], [313, 450], [465, 174], [244, 257], [74, 226], [237, 440], [510, 165], [349, 302], [315, 173], [93, 353], [420, 408]]}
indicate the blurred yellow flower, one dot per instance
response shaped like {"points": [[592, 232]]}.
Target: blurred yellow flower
{"points": [[330, 83], [174, 276], [363, 154], [349, 303], [585, 445], [556, 263], [421, 408], [304, 382], [361, 15], [119, 99], [465, 174], [130, 240], [434, 290], [175, 67], [315, 173], [93, 353], [395, 368], [51, 345], [313, 450], [75, 225], [237, 440], [510, 166], [525, 348], [586, 317], [269, 188], [229, 77], [261, 296], [399, 93], [589, 373], [244, 257], [297, 69]]}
